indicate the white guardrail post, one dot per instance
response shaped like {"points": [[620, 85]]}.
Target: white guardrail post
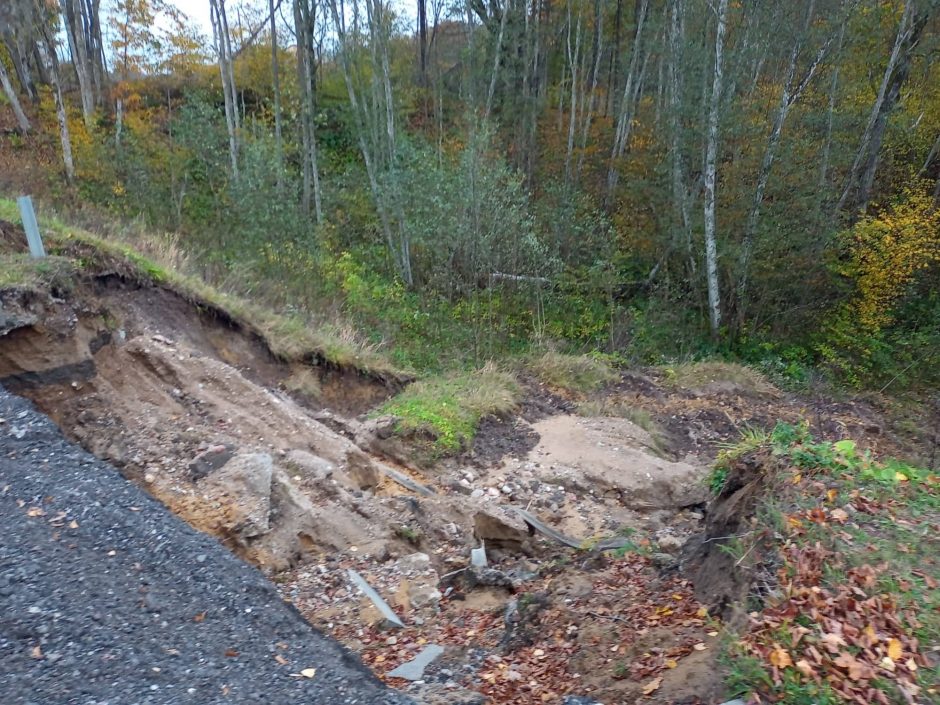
{"points": [[31, 226]]}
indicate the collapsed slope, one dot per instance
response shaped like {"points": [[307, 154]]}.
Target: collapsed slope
{"points": [[270, 447]]}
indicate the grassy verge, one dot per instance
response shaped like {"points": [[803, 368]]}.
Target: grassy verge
{"points": [[290, 337], [572, 373], [449, 409], [855, 614]]}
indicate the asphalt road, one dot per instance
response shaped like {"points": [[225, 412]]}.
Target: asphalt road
{"points": [[106, 598]]}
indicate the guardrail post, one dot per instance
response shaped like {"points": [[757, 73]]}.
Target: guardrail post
{"points": [[31, 226]]}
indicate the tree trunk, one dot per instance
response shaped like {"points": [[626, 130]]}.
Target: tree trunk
{"points": [[861, 176], [74, 32], [827, 143], [422, 43], [572, 116], [497, 55], [305, 22], [276, 80], [14, 47], [62, 118], [21, 118], [680, 192], [711, 157], [228, 93], [788, 96], [627, 104]]}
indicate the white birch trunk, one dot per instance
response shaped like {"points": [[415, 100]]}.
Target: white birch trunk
{"points": [[21, 118], [711, 157]]}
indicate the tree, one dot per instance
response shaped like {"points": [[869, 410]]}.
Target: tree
{"points": [[861, 177], [223, 48], [21, 118], [711, 156]]}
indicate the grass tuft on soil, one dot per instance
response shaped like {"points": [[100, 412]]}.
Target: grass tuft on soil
{"points": [[449, 409], [573, 373], [701, 376], [289, 337], [851, 612]]}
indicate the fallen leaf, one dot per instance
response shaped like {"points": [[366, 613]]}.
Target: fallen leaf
{"points": [[804, 667], [700, 647], [780, 658], [671, 663], [36, 652], [231, 653], [35, 512], [894, 649], [652, 686], [281, 660], [840, 515], [702, 612], [308, 672], [833, 641], [73, 524], [199, 617]]}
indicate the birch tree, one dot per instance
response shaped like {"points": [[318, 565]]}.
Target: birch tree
{"points": [[223, 50], [793, 88], [861, 177], [305, 14], [711, 156], [21, 120], [628, 101]]}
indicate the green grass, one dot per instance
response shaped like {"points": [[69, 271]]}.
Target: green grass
{"points": [[23, 271], [449, 409], [289, 337], [573, 373]]}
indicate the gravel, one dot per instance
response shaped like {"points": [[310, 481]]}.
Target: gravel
{"points": [[106, 598]]}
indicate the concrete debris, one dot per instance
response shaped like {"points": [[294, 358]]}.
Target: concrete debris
{"points": [[413, 670], [244, 485], [383, 607], [478, 557]]}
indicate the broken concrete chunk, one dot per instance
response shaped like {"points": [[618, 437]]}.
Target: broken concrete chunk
{"points": [[478, 557], [387, 612], [499, 529], [243, 484], [413, 670], [309, 466]]}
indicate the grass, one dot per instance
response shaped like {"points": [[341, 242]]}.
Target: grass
{"points": [[572, 373], [289, 337], [449, 409], [23, 271], [698, 376], [856, 538]]}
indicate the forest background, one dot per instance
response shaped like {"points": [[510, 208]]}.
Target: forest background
{"points": [[650, 181]]}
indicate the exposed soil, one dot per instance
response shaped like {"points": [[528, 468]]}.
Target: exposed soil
{"points": [[193, 408]]}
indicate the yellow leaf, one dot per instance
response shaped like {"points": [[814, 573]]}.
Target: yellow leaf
{"points": [[900, 477], [652, 686], [832, 494], [702, 612], [780, 658], [308, 672], [894, 649], [671, 663]]}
